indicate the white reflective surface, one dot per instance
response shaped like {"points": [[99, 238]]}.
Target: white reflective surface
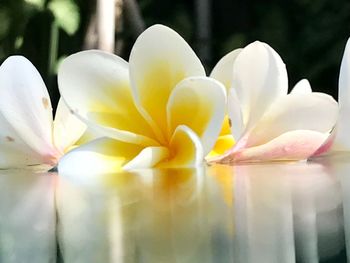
{"points": [[281, 212]]}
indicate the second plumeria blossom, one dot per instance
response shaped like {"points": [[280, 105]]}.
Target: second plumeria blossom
{"points": [[158, 110], [268, 124], [28, 134]]}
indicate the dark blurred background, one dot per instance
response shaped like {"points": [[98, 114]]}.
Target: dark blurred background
{"points": [[310, 35]]}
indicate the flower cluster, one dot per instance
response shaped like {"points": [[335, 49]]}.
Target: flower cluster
{"points": [[161, 110]]}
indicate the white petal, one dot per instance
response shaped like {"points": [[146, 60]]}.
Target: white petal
{"points": [[159, 60], [14, 152], [344, 77], [312, 111], [290, 146], [98, 157], [148, 158], [95, 85], [199, 103], [67, 128], [302, 87], [26, 105], [223, 70], [235, 114], [342, 139], [185, 150], [259, 77]]}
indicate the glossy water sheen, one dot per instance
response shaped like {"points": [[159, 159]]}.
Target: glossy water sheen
{"points": [[296, 212]]}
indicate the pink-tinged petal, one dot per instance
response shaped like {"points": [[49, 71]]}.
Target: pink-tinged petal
{"points": [[290, 146], [159, 60], [259, 78], [327, 146], [223, 70], [25, 104], [302, 87], [310, 111]]}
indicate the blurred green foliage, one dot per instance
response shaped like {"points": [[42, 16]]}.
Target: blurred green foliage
{"points": [[310, 35], [44, 31]]}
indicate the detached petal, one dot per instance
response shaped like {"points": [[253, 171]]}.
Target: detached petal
{"points": [[223, 70], [199, 103], [312, 111], [302, 87], [99, 156], [95, 86], [185, 149], [342, 138], [290, 146], [259, 78], [159, 60], [67, 128], [26, 105]]}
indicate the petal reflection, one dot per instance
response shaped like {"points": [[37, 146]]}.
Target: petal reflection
{"points": [[159, 215], [287, 213], [27, 217]]}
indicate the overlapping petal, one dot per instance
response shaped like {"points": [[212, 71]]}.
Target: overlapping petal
{"points": [[104, 155], [302, 87], [186, 149], [67, 128], [159, 60], [148, 157], [259, 78], [223, 70], [95, 86], [198, 102], [295, 112], [290, 146]]}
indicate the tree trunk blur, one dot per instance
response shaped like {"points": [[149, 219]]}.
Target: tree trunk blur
{"points": [[106, 25], [203, 15]]}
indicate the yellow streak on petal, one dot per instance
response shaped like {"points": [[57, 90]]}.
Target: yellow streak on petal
{"points": [[184, 150], [120, 112], [118, 152], [192, 111], [155, 88], [226, 126], [223, 144], [225, 140]]}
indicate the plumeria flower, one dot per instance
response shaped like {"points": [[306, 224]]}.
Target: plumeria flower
{"points": [[158, 110], [268, 124], [28, 134]]}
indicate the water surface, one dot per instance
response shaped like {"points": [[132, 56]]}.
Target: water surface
{"points": [[280, 212]]}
